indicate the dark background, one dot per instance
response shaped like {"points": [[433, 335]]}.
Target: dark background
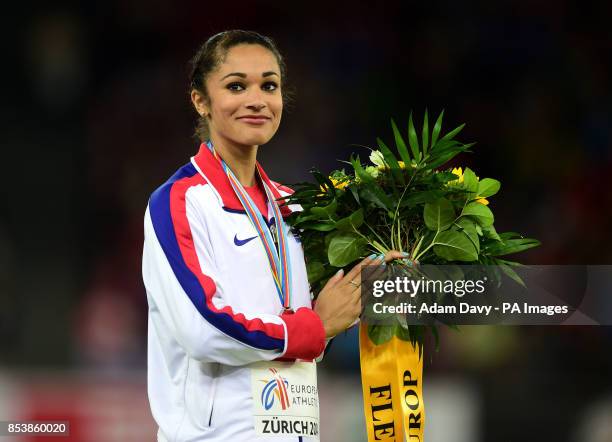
{"points": [[95, 115]]}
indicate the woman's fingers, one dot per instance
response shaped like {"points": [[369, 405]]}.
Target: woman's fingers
{"points": [[342, 299], [353, 274], [377, 271], [353, 277], [334, 280], [394, 254], [379, 264]]}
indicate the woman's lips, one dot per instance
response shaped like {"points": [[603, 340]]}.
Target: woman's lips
{"points": [[258, 121]]}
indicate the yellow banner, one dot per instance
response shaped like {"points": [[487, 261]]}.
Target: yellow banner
{"points": [[391, 379]]}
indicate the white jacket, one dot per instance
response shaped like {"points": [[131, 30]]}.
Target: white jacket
{"points": [[213, 306]]}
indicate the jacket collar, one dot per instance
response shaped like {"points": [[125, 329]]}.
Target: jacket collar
{"points": [[215, 176]]}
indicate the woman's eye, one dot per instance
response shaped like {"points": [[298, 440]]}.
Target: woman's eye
{"points": [[235, 87], [270, 86]]}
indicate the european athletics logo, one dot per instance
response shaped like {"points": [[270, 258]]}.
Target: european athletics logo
{"points": [[276, 387]]}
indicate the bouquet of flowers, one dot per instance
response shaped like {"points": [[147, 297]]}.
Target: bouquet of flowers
{"points": [[404, 199], [404, 202]]}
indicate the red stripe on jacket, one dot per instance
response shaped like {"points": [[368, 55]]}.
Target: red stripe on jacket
{"points": [[184, 237]]}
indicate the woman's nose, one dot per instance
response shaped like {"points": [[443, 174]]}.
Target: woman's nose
{"points": [[255, 100], [256, 106]]}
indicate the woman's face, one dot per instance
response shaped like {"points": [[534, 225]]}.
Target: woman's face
{"points": [[245, 104]]}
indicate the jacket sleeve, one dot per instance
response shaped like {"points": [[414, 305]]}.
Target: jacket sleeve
{"points": [[180, 291]]}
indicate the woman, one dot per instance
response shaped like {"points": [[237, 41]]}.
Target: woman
{"points": [[232, 331]]}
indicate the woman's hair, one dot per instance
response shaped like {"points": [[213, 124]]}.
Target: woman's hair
{"points": [[212, 53]]}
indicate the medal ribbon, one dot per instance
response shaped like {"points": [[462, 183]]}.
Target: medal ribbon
{"points": [[278, 254]]}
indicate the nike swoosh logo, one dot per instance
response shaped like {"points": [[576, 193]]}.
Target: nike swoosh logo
{"points": [[241, 242]]}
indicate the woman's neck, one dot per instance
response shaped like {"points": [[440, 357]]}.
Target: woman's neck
{"points": [[240, 159]]}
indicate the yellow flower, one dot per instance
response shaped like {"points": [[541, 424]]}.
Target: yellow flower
{"points": [[338, 184], [459, 172], [378, 159], [385, 167]]}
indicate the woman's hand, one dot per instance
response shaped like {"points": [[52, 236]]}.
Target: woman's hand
{"points": [[339, 303]]}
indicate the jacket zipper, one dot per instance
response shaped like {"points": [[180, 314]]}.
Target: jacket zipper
{"points": [[213, 390]]}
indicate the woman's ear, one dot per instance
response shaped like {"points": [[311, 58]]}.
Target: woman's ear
{"points": [[199, 103]]}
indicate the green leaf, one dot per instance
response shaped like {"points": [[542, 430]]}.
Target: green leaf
{"points": [[344, 248], [416, 333], [452, 133], [491, 233], [355, 194], [327, 240], [494, 274], [325, 212], [315, 270], [509, 271], [438, 160], [391, 161], [444, 146], [510, 246], [439, 215], [468, 227], [400, 144], [482, 213], [374, 194], [379, 334], [436, 130], [353, 221], [470, 181], [320, 227], [402, 333], [303, 217], [510, 235], [488, 187], [305, 193], [455, 246], [323, 180], [413, 140], [510, 263], [359, 170], [425, 133], [441, 177], [421, 197]]}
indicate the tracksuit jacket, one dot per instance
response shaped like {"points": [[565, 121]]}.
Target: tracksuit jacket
{"points": [[213, 306]]}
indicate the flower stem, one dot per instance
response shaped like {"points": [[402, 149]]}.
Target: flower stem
{"points": [[374, 232], [433, 241], [417, 246]]}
